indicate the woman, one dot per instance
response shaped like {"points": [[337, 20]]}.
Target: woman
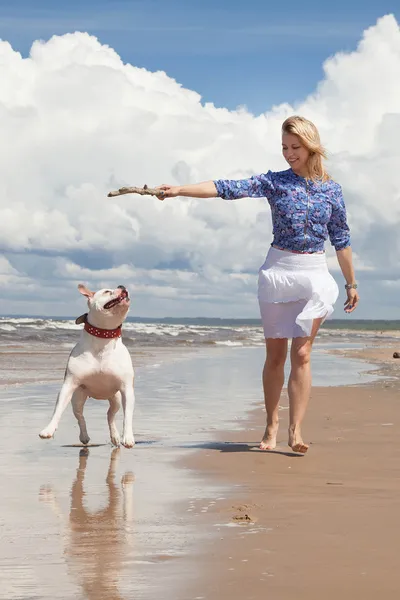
{"points": [[295, 290]]}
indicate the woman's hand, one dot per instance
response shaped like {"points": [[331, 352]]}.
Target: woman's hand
{"points": [[352, 300], [167, 191]]}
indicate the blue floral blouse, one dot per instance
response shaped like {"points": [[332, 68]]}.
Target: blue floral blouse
{"points": [[304, 212]]}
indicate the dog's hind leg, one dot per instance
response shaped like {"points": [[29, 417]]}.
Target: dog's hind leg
{"points": [[64, 397], [78, 402], [115, 405]]}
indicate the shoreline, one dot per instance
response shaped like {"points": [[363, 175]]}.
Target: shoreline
{"points": [[319, 525]]}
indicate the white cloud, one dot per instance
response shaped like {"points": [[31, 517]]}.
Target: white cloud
{"points": [[77, 122]]}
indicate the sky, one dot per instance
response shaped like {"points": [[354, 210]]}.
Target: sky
{"points": [[98, 95]]}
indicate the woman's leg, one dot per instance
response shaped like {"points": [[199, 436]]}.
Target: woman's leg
{"points": [[299, 386], [273, 379]]}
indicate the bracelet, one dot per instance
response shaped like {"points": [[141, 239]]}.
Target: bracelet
{"points": [[350, 286]]}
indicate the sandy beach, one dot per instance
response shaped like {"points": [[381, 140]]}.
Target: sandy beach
{"points": [[195, 510], [322, 525]]}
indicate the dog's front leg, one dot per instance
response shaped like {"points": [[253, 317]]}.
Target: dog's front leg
{"points": [[115, 405], [64, 397], [128, 404]]}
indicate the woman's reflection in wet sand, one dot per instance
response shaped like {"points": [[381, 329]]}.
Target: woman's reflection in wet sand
{"points": [[97, 542]]}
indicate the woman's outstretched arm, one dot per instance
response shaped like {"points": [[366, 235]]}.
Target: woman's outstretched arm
{"points": [[206, 189], [257, 186]]}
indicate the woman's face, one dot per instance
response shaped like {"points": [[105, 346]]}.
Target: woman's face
{"points": [[295, 153]]}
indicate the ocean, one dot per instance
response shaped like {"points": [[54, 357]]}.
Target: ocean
{"points": [[196, 332]]}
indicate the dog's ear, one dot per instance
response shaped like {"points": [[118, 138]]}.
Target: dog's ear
{"points": [[85, 291], [81, 319]]}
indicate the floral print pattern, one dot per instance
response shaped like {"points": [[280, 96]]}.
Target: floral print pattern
{"points": [[304, 212]]}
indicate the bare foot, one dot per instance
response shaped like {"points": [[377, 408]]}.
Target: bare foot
{"points": [[296, 441], [269, 439]]}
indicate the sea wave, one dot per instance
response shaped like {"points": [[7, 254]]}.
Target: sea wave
{"points": [[64, 331]]}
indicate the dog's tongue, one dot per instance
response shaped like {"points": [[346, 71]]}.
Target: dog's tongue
{"points": [[117, 300], [113, 302]]}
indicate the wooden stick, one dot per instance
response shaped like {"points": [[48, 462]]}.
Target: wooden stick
{"points": [[143, 191]]}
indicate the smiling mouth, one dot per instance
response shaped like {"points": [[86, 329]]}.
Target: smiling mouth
{"points": [[123, 296]]}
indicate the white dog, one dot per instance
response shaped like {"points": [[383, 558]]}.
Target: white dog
{"points": [[99, 366]]}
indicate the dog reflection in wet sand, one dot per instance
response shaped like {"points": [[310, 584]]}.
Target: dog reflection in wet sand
{"points": [[97, 541]]}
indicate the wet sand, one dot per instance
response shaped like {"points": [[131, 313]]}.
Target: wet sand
{"points": [[98, 523], [324, 525], [108, 524], [24, 364]]}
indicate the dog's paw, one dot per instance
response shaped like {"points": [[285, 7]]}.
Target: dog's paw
{"points": [[46, 434], [116, 440], [84, 439], [128, 441]]}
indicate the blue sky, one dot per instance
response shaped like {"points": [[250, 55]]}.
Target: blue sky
{"points": [[76, 122], [253, 53]]}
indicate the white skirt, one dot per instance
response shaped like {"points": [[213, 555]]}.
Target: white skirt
{"points": [[293, 290]]}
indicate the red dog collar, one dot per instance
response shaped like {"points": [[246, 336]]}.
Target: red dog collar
{"points": [[105, 334]]}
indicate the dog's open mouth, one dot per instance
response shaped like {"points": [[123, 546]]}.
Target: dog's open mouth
{"points": [[123, 296]]}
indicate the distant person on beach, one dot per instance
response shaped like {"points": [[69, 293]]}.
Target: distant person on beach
{"points": [[296, 292]]}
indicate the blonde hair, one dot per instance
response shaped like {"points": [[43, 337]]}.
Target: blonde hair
{"points": [[309, 138]]}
